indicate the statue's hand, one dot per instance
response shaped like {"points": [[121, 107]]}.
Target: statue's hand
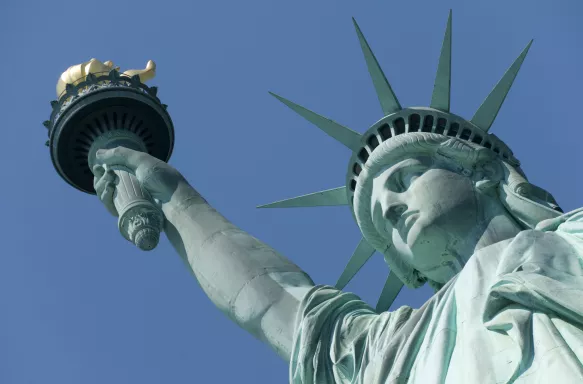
{"points": [[156, 176]]}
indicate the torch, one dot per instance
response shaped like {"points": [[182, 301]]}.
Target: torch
{"points": [[105, 109]]}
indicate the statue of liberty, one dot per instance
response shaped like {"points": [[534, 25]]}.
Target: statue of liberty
{"points": [[448, 205]]}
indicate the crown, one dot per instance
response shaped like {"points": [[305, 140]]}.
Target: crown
{"points": [[435, 119]]}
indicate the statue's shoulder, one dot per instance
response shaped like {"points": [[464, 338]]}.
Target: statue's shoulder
{"points": [[568, 227], [567, 221]]}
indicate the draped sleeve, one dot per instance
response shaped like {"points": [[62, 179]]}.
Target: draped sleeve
{"points": [[338, 335], [513, 314], [571, 228]]}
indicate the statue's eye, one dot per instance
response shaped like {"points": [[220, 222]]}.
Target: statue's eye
{"points": [[412, 177], [401, 179], [407, 177]]}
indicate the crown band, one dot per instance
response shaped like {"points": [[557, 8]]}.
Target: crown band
{"points": [[421, 119], [434, 123]]}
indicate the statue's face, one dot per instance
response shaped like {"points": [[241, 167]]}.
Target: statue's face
{"points": [[429, 212]]}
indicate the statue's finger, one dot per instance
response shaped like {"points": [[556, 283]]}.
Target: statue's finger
{"points": [[107, 193], [120, 156], [106, 178], [107, 198], [98, 170], [98, 186]]}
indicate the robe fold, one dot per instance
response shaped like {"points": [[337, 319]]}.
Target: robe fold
{"points": [[514, 314]]}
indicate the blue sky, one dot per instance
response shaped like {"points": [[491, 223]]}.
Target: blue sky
{"points": [[79, 304]]}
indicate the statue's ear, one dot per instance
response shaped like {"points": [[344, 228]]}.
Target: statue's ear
{"points": [[491, 170], [488, 171], [487, 166]]}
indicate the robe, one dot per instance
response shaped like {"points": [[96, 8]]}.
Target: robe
{"points": [[514, 314]]}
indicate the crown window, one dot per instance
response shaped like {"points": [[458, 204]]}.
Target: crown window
{"points": [[453, 129], [363, 155], [466, 133], [427, 123], [385, 132], [372, 142], [399, 125], [414, 122], [441, 123]]}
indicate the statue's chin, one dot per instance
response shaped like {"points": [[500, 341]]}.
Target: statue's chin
{"points": [[431, 253], [444, 273]]}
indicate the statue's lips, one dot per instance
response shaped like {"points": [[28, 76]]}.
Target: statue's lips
{"points": [[405, 223]]}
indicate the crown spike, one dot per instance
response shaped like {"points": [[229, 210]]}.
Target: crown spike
{"points": [[330, 197], [387, 98], [486, 114], [440, 98], [344, 135], [390, 291], [360, 256]]}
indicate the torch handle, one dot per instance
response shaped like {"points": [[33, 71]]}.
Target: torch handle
{"points": [[140, 219]]}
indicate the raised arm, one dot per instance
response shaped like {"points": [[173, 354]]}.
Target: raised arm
{"points": [[255, 286]]}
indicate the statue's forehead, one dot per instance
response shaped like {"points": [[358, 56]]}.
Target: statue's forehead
{"points": [[406, 160]]}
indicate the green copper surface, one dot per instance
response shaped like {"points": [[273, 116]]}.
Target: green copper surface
{"points": [[486, 114], [387, 98], [441, 89], [346, 136], [360, 256], [330, 197], [444, 209], [391, 289]]}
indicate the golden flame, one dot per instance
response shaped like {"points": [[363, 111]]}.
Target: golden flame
{"points": [[78, 73]]}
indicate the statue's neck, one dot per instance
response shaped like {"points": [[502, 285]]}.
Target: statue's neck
{"points": [[495, 225], [498, 224]]}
